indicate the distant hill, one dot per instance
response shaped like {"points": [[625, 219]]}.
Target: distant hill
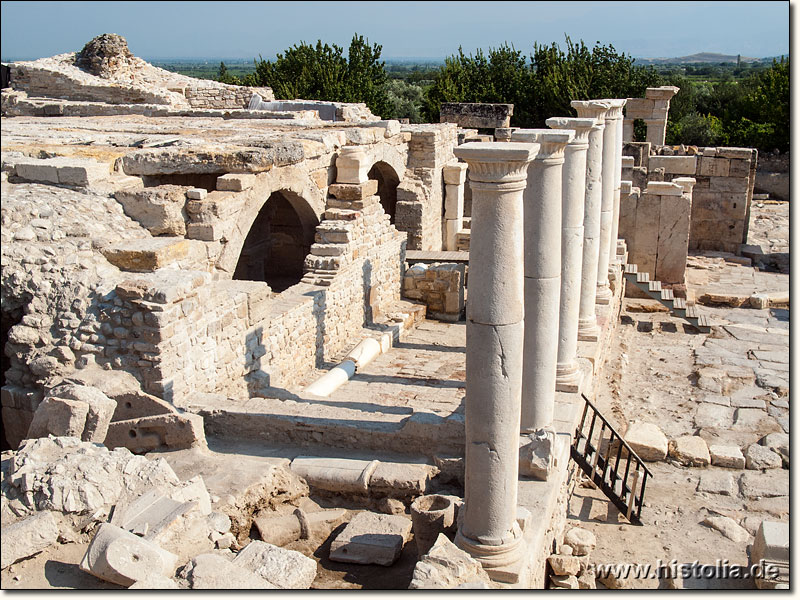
{"points": [[700, 57]]}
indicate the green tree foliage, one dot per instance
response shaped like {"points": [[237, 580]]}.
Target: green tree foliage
{"points": [[223, 76], [406, 100], [322, 72]]}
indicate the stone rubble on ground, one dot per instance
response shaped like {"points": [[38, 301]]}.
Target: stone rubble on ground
{"points": [[371, 538], [446, 566]]}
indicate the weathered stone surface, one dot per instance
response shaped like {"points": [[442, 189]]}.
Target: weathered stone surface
{"points": [[160, 209], [709, 414], [768, 484], [235, 182], [690, 450], [758, 457], [567, 582], [147, 254], [446, 566], [778, 443], [717, 483], [28, 537], [123, 558], [285, 569], [476, 115], [647, 440], [166, 161], [174, 431], [104, 55], [564, 565], [730, 457], [432, 515], [536, 453], [59, 417], [401, 479], [581, 540], [214, 572], [154, 581], [771, 543], [371, 538], [728, 527]]}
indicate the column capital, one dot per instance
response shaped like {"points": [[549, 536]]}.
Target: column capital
{"points": [[593, 109], [581, 127], [552, 141], [615, 111], [687, 183], [497, 162], [665, 92]]}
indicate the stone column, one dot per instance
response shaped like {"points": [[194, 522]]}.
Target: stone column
{"points": [[587, 318], [573, 183], [607, 207], [542, 274], [454, 177], [488, 529], [617, 181]]}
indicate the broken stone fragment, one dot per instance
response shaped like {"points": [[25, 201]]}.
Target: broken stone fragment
{"points": [[690, 451], [123, 558], [778, 443], [371, 538], [154, 581], [335, 474], [647, 440], [759, 457], [569, 582], [214, 572], [446, 566], [564, 565], [59, 417], [581, 540], [283, 529], [537, 454], [27, 537], [727, 527], [285, 569]]}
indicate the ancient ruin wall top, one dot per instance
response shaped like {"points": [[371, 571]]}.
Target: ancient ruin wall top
{"points": [[104, 55]]}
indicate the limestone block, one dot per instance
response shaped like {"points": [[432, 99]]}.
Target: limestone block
{"points": [[777, 442], [675, 165], [713, 166], [564, 582], [564, 565], [771, 543], [446, 566], [766, 484], [37, 170], [451, 229], [59, 417], [214, 572], [454, 201], [160, 209], [455, 173], [536, 454], [758, 457], [197, 194], [354, 191], [728, 527], [101, 409], [690, 450], [154, 581], [351, 165], [123, 558], [146, 254], [143, 434], [82, 172], [285, 569], [235, 182], [401, 479], [735, 152], [673, 239], [581, 540], [371, 538], [739, 167], [27, 537], [709, 414], [647, 440], [642, 251], [730, 457], [280, 530]]}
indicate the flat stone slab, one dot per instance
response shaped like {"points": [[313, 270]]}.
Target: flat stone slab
{"points": [[728, 527], [769, 484], [285, 569], [759, 457], [147, 254], [371, 538], [717, 483], [690, 450], [713, 415], [28, 537]]}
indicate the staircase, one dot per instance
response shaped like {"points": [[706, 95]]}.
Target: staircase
{"points": [[677, 306]]}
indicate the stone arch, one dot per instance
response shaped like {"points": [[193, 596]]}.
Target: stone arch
{"points": [[388, 180], [278, 240]]}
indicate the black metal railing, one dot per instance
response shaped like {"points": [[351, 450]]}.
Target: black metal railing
{"points": [[602, 453]]}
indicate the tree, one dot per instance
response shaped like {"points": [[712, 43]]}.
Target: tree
{"points": [[322, 72], [224, 77]]}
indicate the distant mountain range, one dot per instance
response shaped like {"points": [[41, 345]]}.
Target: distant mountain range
{"points": [[700, 57]]}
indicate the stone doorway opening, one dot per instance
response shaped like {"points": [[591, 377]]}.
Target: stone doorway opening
{"points": [[388, 180], [278, 242]]}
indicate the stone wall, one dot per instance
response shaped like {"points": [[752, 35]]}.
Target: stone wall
{"points": [[222, 95], [439, 286], [772, 175], [476, 115]]}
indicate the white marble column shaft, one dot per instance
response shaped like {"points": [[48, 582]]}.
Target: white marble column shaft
{"points": [[607, 207], [587, 316], [573, 182], [543, 212], [618, 122], [488, 529]]}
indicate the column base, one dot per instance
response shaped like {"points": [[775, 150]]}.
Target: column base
{"points": [[588, 330], [603, 294], [568, 377], [504, 563]]}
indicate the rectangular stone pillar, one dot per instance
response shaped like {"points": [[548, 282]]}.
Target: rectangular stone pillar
{"points": [[454, 177]]}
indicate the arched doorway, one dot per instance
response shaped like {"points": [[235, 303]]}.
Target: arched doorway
{"points": [[388, 180], [278, 242]]}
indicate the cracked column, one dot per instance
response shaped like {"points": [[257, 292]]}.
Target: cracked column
{"points": [[618, 123], [587, 317], [573, 182], [543, 212], [603, 295], [488, 529]]}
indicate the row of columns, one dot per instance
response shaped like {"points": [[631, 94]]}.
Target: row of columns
{"points": [[544, 210]]}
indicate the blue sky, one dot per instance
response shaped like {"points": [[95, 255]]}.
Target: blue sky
{"points": [[404, 29]]}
